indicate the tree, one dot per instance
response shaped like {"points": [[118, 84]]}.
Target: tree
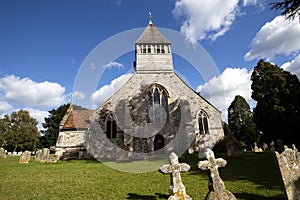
{"points": [[2, 132], [277, 93], [291, 8], [51, 126], [20, 131], [240, 121]]}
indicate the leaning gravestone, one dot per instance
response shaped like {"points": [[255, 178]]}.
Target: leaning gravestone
{"points": [[177, 189], [218, 190], [25, 157], [289, 166]]}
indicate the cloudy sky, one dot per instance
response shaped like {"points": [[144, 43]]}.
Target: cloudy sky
{"points": [[44, 43]]}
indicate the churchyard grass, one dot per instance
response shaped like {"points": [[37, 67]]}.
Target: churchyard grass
{"points": [[252, 176]]}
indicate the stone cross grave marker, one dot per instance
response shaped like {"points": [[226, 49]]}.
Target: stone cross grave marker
{"points": [[177, 189], [289, 166], [25, 157], [218, 190]]}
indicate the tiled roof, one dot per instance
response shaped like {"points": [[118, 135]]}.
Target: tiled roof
{"points": [[151, 35], [78, 119]]}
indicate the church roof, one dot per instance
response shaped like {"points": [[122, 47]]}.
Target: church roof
{"points": [[78, 119], [151, 35]]}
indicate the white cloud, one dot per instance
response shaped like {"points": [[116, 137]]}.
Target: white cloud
{"points": [[293, 66], [99, 96], [39, 115], [249, 2], [5, 107], [221, 90], [279, 36], [113, 64], [27, 92], [206, 19], [78, 95]]}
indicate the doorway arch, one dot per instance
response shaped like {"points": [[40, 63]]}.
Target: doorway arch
{"points": [[159, 142]]}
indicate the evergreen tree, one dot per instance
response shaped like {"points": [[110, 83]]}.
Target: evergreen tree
{"points": [[240, 121], [277, 93], [291, 8], [51, 125]]}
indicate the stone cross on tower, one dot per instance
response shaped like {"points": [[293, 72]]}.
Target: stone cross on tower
{"points": [[212, 164], [177, 189]]}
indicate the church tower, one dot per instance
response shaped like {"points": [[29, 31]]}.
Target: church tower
{"points": [[153, 52]]}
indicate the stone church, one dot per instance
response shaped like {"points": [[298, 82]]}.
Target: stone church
{"points": [[155, 112]]}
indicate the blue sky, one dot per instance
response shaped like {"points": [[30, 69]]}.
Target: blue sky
{"points": [[44, 43]]}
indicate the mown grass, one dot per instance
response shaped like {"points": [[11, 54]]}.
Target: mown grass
{"points": [[252, 176]]}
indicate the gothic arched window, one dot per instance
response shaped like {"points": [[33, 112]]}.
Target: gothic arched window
{"points": [[203, 122], [157, 104], [111, 127]]}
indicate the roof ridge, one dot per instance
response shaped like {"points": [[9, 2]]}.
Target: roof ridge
{"points": [[152, 35]]}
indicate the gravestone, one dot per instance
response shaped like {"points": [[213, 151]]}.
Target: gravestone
{"points": [[38, 156], [289, 166], [256, 149], [265, 147], [177, 189], [2, 153], [52, 158], [295, 148], [25, 157], [217, 191], [232, 147], [45, 155], [272, 146]]}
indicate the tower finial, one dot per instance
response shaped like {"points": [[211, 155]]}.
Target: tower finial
{"points": [[150, 18]]}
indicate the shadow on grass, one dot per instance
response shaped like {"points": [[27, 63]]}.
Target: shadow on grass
{"points": [[246, 196], [149, 197], [261, 169]]}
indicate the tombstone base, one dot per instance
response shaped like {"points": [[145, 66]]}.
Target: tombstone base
{"points": [[224, 195], [186, 197]]}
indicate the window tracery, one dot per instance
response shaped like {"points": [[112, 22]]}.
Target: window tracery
{"points": [[157, 104], [203, 122]]}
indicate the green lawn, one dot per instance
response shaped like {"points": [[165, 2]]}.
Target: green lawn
{"points": [[252, 176]]}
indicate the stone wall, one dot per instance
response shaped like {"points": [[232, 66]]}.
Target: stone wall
{"points": [[183, 106], [71, 144]]}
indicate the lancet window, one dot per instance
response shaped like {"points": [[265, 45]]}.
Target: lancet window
{"points": [[157, 104], [203, 122], [111, 127]]}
